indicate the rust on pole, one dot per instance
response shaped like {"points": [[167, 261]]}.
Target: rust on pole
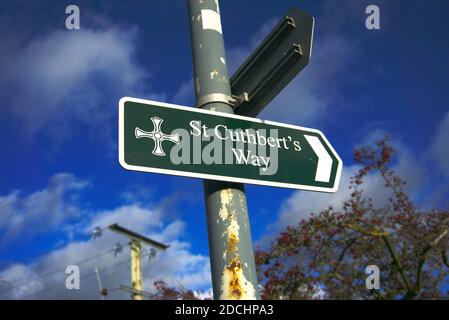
{"points": [[230, 244]]}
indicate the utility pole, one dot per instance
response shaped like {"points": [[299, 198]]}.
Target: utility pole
{"points": [[136, 269], [230, 245], [136, 257]]}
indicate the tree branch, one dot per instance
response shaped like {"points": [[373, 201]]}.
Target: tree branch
{"points": [[424, 255], [410, 292], [444, 257], [343, 254]]}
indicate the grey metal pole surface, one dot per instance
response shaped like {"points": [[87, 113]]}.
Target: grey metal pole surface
{"points": [[230, 245]]}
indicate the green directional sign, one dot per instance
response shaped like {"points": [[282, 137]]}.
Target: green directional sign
{"points": [[170, 139]]}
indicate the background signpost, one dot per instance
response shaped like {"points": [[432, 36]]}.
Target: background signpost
{"points": [[275, 62]]}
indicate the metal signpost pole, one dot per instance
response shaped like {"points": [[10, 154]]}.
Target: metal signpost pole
{"points": [[230, 245], [308, 160]]}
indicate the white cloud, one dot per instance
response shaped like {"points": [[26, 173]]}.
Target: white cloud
{"points": [[131, 215], [177, 266], [185, 95], [310, 96], [24, 216], [237, 55], [301, 204], [72, 77]]}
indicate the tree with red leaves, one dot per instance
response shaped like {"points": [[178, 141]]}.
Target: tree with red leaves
{"points": [[325, 256], [166, 292]]}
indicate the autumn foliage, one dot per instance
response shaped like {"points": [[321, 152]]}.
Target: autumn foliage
{"points": [[166, 292], [325, 256]]}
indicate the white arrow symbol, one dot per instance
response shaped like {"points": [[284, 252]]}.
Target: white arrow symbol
{"points": [[324, 167]]}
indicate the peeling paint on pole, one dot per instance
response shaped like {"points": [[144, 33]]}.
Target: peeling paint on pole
{"points": [[226, 198], [234, 284], [230, 244]]}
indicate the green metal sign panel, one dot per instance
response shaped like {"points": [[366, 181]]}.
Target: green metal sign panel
{"points": [[170, 139]]}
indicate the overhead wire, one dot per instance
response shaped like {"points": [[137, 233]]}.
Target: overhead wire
{"points": [[19, 285], [82, 277]]}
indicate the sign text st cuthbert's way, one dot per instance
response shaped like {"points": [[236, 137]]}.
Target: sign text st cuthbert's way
{"points": [[171, 139]]}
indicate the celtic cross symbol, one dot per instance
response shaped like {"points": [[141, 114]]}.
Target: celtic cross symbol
{"points": [[157, 136]]}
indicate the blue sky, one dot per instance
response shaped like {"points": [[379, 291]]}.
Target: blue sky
{"points": [[59, 173]]}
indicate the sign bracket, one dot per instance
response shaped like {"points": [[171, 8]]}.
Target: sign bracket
{"points": [[233, 100]]}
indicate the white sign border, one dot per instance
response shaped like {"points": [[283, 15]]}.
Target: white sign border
{"points": [[213, 176]]}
